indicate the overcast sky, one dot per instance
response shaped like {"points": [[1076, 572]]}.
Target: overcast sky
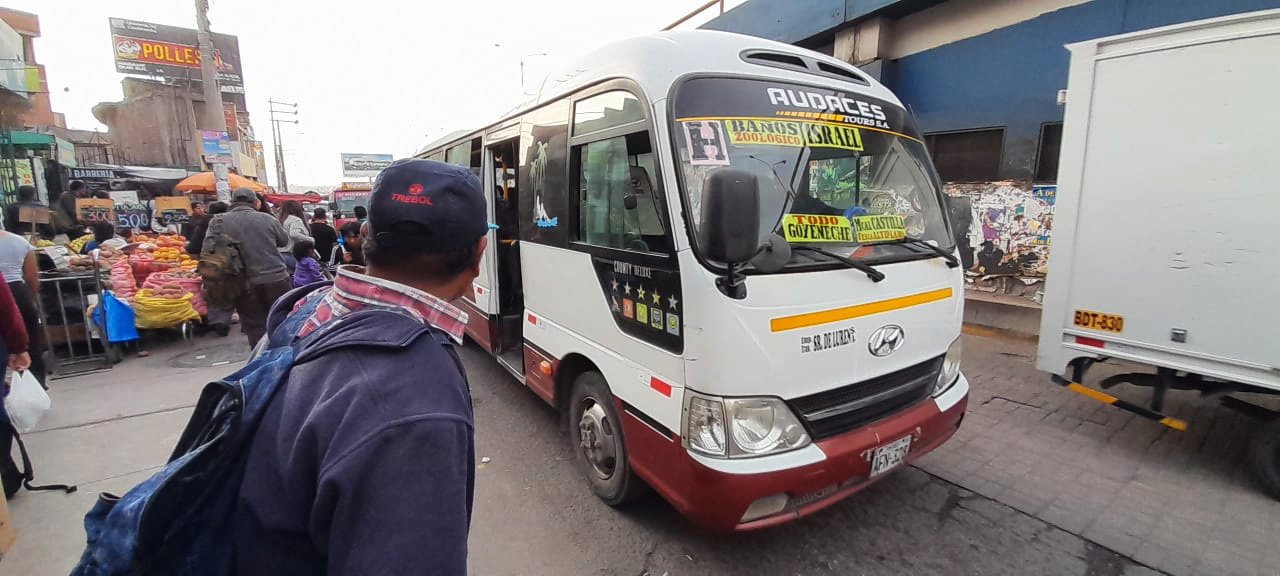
{"points": [[373, 76]]}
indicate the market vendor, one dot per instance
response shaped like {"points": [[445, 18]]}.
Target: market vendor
{"points": [[66, 220], [12, 221], [104, 236]]}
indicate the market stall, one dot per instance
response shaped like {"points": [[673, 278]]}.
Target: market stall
{"points": [[67, 295], [149, 279]]}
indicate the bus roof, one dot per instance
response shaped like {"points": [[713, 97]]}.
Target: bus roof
{"points": [[654, 63]]}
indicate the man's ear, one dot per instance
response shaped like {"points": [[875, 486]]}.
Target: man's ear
{"points": [[480, 246]]}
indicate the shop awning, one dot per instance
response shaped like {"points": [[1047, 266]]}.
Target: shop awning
{"points": [[28, 138]]}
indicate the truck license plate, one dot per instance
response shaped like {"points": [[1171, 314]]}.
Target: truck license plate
{"points": [[1099, 321], [890, 455]]}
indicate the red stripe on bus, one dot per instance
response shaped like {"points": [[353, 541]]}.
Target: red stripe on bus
{"points": [[662, 387]]}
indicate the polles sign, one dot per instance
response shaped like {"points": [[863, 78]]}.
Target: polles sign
{"points": [[170, 51]]}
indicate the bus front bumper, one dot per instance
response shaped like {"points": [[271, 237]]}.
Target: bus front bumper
{"points": [[717, 493]]}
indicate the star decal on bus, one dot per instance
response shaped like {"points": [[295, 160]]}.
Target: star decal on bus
{"points": [[641, 291], [657, 299], [672, 302]]}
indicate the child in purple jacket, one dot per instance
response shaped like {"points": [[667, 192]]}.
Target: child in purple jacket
{"points": [[308, 270]]}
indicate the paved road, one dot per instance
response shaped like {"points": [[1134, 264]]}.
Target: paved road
{"points": [[534, 515]]}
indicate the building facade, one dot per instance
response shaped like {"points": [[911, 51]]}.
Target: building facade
{"points": [[983, 79], [24, 68]]}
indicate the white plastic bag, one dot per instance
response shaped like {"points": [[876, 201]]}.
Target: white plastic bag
{"points": [[27, 401]]}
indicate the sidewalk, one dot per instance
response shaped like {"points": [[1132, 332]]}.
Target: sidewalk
{"points": [[1181, 502], [106, 432]]}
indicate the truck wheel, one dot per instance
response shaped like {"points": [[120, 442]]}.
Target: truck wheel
{"points": [[596, 431], [1264, 457]]}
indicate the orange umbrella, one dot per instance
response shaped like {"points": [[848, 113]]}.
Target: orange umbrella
{"points": [[204, 182]]}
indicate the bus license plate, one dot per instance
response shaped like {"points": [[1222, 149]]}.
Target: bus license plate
{"points": [[890, 455], [1099, 321]]}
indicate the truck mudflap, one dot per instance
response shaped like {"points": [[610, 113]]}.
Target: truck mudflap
{"points": [[1100, 396]]}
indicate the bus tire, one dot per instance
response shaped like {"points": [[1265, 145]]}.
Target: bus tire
{"points": [[596, 431], [1264, 457]]}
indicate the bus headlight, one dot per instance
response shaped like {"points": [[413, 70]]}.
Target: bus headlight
{"points": [[741, 427], [950, 369]]}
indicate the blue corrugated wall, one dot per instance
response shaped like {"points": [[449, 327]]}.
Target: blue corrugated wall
{"points": [[1010, 77]]}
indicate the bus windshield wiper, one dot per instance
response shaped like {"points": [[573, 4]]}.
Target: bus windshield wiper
{"points": [[872, 273], [952, 262]]}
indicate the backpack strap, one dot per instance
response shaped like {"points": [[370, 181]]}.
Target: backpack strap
{"points": [[28, 473]]}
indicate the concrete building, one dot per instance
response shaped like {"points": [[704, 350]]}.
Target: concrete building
{"points": [[154, 125], [40, 114], [983, 79]]}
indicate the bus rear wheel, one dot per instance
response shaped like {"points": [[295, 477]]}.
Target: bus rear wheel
{"points": [[596, 431], [1264, 456]]}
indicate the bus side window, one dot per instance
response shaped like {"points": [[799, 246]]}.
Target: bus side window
{"points": [[619, 206]]}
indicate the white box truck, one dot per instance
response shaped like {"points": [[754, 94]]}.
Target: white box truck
{"points": [[1166, 236]]}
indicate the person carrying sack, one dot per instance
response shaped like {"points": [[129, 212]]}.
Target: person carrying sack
{"points": [[241, 253]]}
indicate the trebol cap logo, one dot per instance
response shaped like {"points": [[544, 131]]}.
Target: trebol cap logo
{"points": [[414, 196], [886, 340]]}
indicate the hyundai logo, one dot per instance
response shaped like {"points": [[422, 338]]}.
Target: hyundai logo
{"points": [[886, 340]]}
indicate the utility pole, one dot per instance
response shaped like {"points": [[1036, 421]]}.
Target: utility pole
{"points": [[292, 112], [214, 118]]}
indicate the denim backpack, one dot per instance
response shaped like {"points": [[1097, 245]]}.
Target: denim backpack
{"points": [[180, 521]]}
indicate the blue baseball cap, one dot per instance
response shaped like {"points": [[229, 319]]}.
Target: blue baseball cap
{"points": [[427, 206]]}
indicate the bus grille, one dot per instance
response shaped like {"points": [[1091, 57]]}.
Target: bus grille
{"points": [[833, 412]]}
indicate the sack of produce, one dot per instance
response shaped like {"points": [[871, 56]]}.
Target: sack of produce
{"points": [[163, 307], [122, 280], [189, 284]]}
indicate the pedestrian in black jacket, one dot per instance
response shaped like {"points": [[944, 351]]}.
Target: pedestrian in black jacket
{"points": [[364, 462]]}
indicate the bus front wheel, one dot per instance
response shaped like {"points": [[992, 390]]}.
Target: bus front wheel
{"points": [[1264, 456], [596, 431]]}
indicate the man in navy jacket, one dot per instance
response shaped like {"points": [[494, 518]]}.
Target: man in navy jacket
{"points": [[364, 462]]}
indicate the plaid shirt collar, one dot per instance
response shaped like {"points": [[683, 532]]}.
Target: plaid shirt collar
{"points": [[353, 290]]}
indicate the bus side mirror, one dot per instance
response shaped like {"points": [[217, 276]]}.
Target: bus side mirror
{"points": [[731, 216], [640, 186]]}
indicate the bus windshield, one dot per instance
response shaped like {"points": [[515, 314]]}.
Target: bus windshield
{"points": [[844, 172], [347, 200]]}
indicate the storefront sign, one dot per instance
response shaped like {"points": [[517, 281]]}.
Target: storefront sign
{"points": [[95, 210], [66, 154], [33, 214], [355, 165], [123, 196], [816, 228], [170, 51], [173, 209], [216, 147], [92, 173], [133, 215], [26, 177]]}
